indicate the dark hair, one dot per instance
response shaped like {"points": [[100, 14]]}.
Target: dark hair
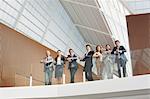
{"points": [[97, 48], [117, 41], [58, 51], [88, 45], [106, 47], [70, 50]]}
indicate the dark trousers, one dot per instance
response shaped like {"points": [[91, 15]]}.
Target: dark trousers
{"points": [[72, 74], [121, 63], [88, 75]]}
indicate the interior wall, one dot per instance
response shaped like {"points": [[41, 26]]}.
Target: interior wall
{"points": [[45, 21], [17, 54], [139, 38]]}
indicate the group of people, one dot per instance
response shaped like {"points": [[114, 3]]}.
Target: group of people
{"points": [[103, 59]]}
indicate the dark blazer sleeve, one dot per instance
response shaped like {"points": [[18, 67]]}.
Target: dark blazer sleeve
{"points": [[113, 51], [63, 58], [90, 54], [122, 49], [74, 57], [55, 61]]}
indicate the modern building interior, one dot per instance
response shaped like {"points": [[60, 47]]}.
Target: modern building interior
{"points": [[30, 27]]}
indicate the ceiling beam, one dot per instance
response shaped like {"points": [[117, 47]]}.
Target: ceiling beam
{"points": [[79, 3], [103, 17], [95, 30]]}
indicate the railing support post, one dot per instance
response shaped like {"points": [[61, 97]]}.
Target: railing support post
{"points": [[84, 77], [64, 78]]}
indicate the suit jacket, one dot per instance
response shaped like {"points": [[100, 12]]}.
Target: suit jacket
{"points": [[73, 63], [88, 61], [121, 54], [49, 63], [62, 60]]}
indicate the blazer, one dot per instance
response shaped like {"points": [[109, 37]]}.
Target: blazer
{"points": [[62, 60], [88, 61], [73, 63], [121, 54], [49, 63]]}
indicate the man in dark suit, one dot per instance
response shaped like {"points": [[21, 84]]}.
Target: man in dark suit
{"points": [[88, 63], [120, 58]]}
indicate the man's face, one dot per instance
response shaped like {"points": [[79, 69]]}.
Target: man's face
{"points": [[117, 43], [59, 52], [88, 48], [108, 47]]}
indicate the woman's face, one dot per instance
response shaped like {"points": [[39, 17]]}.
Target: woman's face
{"points": [[107, 46], [48, 53], [98, 48], [71, 52]]}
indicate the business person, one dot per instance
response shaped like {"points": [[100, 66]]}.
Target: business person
{"points": [[97, 59], [48, 62], [59, 62], [120, 58], [88, 63], [73, 66], [107, 72]]}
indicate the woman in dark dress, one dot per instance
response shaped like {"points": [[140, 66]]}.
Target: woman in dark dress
{"points": [[73, 66], [60, 60]]}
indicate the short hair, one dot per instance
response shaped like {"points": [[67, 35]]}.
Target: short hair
{"points": [[108, 45], [59, 51], [117, 41], [88, 45]]}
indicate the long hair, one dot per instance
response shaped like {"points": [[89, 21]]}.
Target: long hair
{"points": [[97, 49]]}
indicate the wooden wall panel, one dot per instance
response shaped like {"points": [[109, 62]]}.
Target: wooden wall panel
{"points": [[140, 69], [139, 31], [139, 39], [18, 53]]}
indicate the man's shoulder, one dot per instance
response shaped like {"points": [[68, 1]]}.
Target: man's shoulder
{"points": [[121, 46], [92, 52]]}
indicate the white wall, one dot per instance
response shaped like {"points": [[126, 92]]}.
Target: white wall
{"points": [[129, 86], [115, 14], [44, 21]]}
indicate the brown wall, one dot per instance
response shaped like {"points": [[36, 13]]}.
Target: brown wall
{"points": [[139, 39], [139, 29], [17, 54]]}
